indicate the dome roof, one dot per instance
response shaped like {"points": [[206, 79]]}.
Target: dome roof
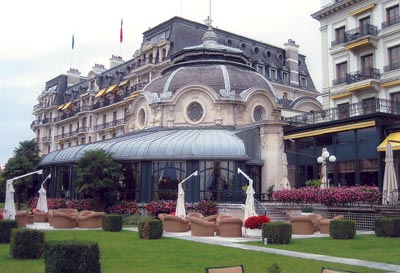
{"points": [[227, 77], [224, 69]]}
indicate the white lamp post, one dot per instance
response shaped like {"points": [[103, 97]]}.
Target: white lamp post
{"points": [[324, 159]]}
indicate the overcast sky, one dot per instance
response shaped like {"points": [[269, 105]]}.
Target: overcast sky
{"points": [[36, 41]]}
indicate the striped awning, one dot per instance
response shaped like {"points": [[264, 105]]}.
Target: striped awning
{"points": [[111, 88], [393, 138], [100, 93]]}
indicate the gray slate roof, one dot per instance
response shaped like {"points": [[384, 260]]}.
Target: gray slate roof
{"points": [[161, 145]]}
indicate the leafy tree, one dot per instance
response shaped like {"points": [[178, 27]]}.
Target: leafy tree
{"points": [[98, 177], [25, 160]]}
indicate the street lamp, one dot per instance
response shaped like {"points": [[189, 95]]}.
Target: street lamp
{"points": [[324, 159]]}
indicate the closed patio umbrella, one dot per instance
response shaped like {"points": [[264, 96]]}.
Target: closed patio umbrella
{"points": [[390, 187], [180, 202], [9, 206], [42, 201], [249, 209]]}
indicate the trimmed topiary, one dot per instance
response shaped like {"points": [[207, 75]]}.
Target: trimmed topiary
{"points": [[387, 227], [342, 229], [150, 229], [112, 222], [26, 243], [277, 232], [71, 256], [5, 230]]}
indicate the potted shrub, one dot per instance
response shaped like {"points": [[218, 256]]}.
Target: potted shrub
{"points": [[253, 225], [270, 191]]}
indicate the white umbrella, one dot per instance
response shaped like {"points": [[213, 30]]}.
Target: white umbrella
{"points": [[285, 181], [180, 210], [9, 206], [42, 202], [390, 188], [180, 202], [249, 209]]}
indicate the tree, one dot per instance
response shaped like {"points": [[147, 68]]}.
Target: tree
{"points": [[99, 177], [25, 160]]}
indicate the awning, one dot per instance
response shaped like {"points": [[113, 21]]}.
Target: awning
{"points": [[394, 139], [100, 93], [133, 95], [111, 88], [123, 83], [331, 130], [60, 107], [67, 105]]}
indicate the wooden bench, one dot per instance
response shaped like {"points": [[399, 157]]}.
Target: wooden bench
{"points": [[226, 269], [332, 270]]}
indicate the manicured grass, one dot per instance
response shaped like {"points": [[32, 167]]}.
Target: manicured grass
{"points": [[363, 247], [124, 252]]}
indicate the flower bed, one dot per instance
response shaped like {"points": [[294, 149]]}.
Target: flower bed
{"points": [[256, 222], [124, 208], [160, 206], [330, 197]]}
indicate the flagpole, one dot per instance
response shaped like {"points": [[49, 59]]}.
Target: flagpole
{"points": [[121, 38], [72, 47]]}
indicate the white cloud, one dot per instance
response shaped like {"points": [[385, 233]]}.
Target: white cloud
{"points": [[36, 41]]}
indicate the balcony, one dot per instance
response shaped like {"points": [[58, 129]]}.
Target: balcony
{"points": [[357, 76], [371, 73], [110, 124], [46, 139], [391, 22], [391, 67], [82, 130], [351, 110], [64, 135], [361, 36]]}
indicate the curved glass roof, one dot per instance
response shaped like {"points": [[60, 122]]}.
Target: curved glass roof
{"points": [[160, 145]]}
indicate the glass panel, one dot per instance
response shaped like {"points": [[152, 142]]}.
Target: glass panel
{"points": [[166, 177]]}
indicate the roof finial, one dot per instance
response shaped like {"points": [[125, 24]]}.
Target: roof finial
{"points": [[208, 21]]}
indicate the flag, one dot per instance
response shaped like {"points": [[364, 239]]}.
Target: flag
{"points": [[73, 41], [121, 36]]}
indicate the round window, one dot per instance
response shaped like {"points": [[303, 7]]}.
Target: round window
{"points": [[195, 111], [142, 117], [258, 113]]}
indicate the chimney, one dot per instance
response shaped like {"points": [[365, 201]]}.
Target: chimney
{"points": [[98, 68], [292, 60], [115, 61], [73, 76]]}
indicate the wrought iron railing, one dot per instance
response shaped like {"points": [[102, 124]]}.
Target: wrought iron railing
{"points": [[392, 66], [260, 209], [364, 74], [360, 31], [350, 110], [391, 22]]}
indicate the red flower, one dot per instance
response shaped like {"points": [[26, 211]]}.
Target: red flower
{"points": [[254, 222]]}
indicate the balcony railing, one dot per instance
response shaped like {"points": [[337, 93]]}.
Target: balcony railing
{"points": [[82, 130], [86, 108], [46, 139], [361, 31], [350, 110], [110, 124], [64, 135], [364, 74], [392, 66], [391, 22], [371, 73]]}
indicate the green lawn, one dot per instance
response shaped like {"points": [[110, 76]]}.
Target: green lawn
{"points": [[125, 252], [363, 247]]}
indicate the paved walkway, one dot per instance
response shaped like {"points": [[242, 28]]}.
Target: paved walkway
{"points": [[238, 243]]}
